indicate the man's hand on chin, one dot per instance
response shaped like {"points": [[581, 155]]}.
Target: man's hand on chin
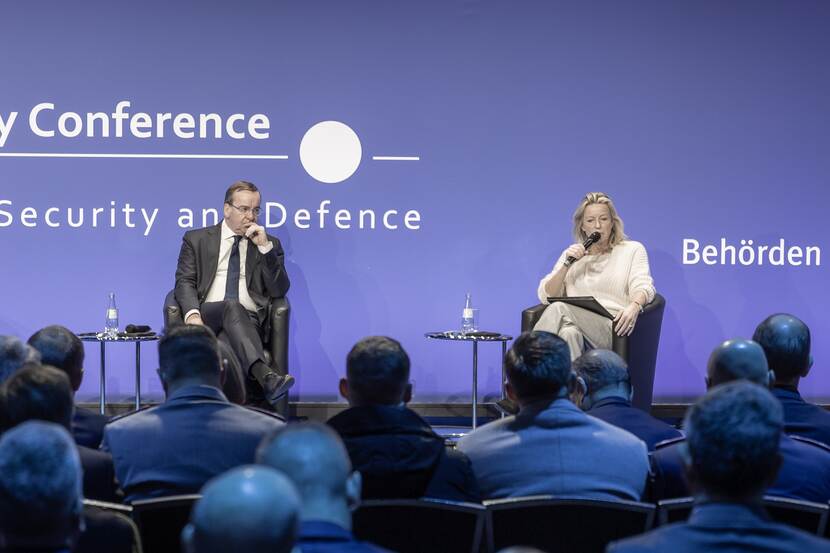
{"points": [[195, 319], [257, 234]]}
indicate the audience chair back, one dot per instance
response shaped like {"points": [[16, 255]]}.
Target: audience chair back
{"points": [[639, 350], [108, 527], [160, 521], [416, 525], [564, 524], [806, 515]]}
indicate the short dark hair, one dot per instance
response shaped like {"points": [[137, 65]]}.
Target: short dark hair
{"points": [[188, 351], [240, 185], [40, 483], [14, 354], [600, 368], [377, 369], [60, 348], [733, 434], [786, 343], [36, 392], [538, 364]]}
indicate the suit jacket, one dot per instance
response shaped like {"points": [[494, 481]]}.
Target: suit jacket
{"points": [[804, 472], [317, 536], [88, 427], [802, 418], [175, 447], [400, 456], [723, 528], [99, 475], [552, 447], [199, 257], [620, 413], [107, 531]]}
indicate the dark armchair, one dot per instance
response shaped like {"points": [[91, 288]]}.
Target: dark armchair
{"points": [[639, 350], [238, 387]]}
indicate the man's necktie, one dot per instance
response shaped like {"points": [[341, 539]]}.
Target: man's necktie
{"points": [[232, 283]]}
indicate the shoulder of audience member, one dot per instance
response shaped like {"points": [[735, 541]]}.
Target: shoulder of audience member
{"points": [[127, 416], [671, 442], [481, 433], [261, 411], [616, 434], [809, 442]]}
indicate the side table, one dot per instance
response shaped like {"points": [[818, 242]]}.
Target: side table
{"points": [[88, 337], [475, 338]]}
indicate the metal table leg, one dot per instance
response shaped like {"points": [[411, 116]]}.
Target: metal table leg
{"points": [[137, 375], [475, 384], [103, 393]]}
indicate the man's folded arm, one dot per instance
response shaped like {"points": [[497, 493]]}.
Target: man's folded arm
{"points": [[185, 290], [273, 270]]}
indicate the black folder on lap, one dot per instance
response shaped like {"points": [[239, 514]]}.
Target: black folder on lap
{"points": [[585, 302]]}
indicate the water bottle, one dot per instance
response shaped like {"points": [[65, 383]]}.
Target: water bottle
{"points": [[467, 318], [111, 322]]}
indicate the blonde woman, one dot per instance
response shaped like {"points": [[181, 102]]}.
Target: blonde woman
{"points": [[614, 270]]}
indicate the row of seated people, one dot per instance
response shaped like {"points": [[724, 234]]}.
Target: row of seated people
{"points": [[197, 434]]}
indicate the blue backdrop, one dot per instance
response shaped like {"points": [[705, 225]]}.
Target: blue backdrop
{"points": [[705, 120]]}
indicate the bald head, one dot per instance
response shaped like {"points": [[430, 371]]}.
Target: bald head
{"points": [[738, 359], [252, 508], [314, 458], [786, 343]]}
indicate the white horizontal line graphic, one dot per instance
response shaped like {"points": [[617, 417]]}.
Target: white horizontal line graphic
{"points": [[144, 156], [396, 158]]}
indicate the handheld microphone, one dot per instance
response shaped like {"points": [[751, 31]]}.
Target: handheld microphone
{"points": [[587, 244]]}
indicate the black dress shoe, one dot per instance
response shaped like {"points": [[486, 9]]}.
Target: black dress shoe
{"points": [[276, 386]]}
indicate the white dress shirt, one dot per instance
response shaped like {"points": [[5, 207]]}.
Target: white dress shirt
{"points": [[217, 289]]}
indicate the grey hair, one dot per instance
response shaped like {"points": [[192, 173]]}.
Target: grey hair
{"points": [[14, 353], [600, 368]]}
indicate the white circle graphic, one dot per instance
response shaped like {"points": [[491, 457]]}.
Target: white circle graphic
{"points": [[330, 152]]}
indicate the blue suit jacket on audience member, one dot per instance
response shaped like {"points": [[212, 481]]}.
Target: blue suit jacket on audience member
{"points": [[175, 447], [552, 447], [804, 472], [620, 413], [88, 427], [723, 528], [802, 418], [317, 536]]}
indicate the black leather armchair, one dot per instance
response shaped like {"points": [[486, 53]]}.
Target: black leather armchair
{"points": [[639, 350], [238, 387]]}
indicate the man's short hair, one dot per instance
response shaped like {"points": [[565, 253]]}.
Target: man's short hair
{"points": [[786, 343], [13, 355], [60, 348], [733, 434], [600, 368], [377, 369], [240, 185], [40, 481], [36, 392], [311, 455], [188, 351], [538, 364], [251, 508]]}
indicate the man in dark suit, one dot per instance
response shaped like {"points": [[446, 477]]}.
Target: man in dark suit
{"points": [[805, 469], [395, 450], [225, 279], [44, 393], [786, 343], [59, 347], [175, 447], [551, 447], [314, 458], [605, 392], [731, 456]]}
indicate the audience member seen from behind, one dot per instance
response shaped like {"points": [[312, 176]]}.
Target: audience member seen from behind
{"points": [[731, 456], [604, 391], [59, 347], [314, 458], [44, 393], [13, 355], [40, 489], [196, 434], [394, 449], [805, 470], [550, 446], [786, 343], [251, 508]]}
